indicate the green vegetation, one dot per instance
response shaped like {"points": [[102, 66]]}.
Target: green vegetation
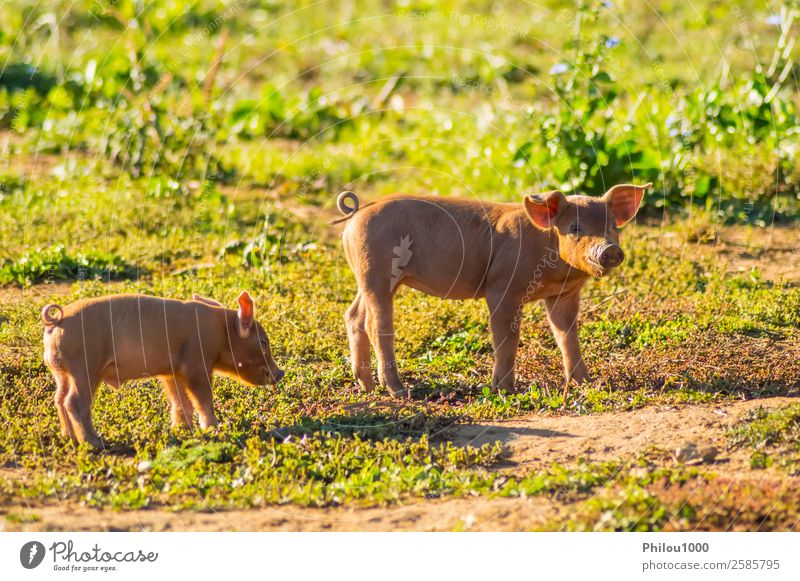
{"points": [[55, 264], [773, 436], [548, 97], [171, 148]]}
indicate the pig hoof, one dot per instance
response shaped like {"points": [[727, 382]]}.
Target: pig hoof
{"points": [[400, 393], [180, 423], [499, 388], [367, 387], [95, 443]]}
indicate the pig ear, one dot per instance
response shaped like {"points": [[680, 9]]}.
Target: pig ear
{"points": [[542, 209], [206, 301], [624, 201], [246, 314]]}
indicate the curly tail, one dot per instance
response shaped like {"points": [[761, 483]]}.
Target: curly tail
{"points": [[348, 211], [344, 208], [52, 314]]}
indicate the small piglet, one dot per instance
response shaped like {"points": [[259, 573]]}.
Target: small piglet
{"points": [[124, 337]]}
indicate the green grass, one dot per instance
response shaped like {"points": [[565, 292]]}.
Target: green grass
{"points": [[773, 436], [317, 441], [636, 342], [524, 99], [129, 162], [56, 264]]}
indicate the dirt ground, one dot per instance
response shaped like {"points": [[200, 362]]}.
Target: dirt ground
{"points": [[772, 251], [532, 442]]}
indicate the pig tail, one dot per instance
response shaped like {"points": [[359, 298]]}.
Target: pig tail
{"points": [[348, 211], [343, 207], [52, 314]]}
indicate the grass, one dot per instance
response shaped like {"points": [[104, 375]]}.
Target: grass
{"points": [[772, 436], [55, 264], [211, 90], [702, 503], [317, 441], [131, 162]]}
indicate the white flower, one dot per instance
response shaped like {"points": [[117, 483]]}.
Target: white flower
{"points": [[559, 69]]}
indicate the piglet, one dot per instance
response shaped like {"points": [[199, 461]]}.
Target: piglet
{"points": [[125, 337], [509, 254]]}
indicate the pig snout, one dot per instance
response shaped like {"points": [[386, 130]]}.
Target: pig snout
{"points": [[609, 256]]}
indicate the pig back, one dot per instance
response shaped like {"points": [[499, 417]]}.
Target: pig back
{"points": [[139, 335], [439, 245]]}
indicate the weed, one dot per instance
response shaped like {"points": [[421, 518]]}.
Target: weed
{"points": [[773, 436], [56, 264]]}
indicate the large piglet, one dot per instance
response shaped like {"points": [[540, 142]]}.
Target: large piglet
{"points": [[545, 248]]}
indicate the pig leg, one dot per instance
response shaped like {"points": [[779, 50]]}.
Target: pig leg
{"points": [[62, 390], [181, 408], [78, 405], [562, 312], [198, 386], [504, 320], [380, 327], [356, 320]]}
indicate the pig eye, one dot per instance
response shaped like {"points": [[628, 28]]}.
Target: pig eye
{"points": [[575, 229]]}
